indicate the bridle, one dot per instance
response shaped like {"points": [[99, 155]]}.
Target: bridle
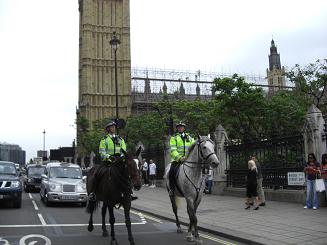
{"points": [[204, 165], [200, 154]]}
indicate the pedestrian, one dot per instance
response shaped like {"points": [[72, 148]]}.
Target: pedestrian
{"points": [[312, 169], [261, 193], [323, 170], [152, 173], [251, 185], [179, 144], [209, 181], [145, 168]]}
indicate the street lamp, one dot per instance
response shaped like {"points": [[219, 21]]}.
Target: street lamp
{"points": [[114, 42], [43, 155]]}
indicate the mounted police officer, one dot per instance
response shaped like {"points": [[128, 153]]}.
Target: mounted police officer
{"points": [[179, 144], [112, 145]]}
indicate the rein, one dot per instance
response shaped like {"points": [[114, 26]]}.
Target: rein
{"points": [[203, 166]]}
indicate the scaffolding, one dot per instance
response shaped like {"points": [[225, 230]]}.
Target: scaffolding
{"points": [[189, 79]]}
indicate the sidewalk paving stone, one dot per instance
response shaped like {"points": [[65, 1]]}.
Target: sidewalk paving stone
{"points": [[276, 223]]}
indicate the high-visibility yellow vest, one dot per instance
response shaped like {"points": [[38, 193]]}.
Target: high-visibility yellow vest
{"points": [[110, 146], [179, 145]]}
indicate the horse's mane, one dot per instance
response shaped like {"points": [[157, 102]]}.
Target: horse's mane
{"points": [[191, 148]]}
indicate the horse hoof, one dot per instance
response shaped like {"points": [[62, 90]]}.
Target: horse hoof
{"points": [[90, 228], [105, 233], [114, 242], [179, 230], [198, 242], [190, 238]]}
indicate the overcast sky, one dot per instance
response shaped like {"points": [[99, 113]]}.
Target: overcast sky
{"points": [[39, 52]]}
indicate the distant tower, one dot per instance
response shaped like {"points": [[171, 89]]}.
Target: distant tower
{"points": [[99, 19], [276, 72]]}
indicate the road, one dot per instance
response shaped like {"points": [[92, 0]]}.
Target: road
{"points": [[35, 223]]}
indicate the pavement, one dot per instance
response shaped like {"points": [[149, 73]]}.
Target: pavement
{"points": [[276, 223]]}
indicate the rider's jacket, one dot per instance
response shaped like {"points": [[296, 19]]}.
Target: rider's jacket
{"points": [[179, 144], [111, 145]]}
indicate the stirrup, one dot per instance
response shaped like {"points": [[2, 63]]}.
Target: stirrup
{"points": [[92, 197]]}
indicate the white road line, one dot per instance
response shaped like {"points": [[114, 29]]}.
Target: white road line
{"points": [[215, 239], [41, 219], [63, 225], [30, 195], [142, 216], [35, 206]]}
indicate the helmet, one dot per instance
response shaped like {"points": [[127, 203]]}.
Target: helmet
{"points": [[111, 123], [180, 124]]}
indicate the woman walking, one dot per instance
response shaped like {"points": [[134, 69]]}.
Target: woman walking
{"points": [[251, 185], [312, 169]]}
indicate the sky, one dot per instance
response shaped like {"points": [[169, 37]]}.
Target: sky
{"points": [[39, 52]]}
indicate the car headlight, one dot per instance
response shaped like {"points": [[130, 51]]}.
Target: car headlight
{"points": [[29, 180], [15, 184], [54, 187], [81, 187]]}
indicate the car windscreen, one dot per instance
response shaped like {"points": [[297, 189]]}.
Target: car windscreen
{"points": [[35, 170], [65, 172], [7, 168]]}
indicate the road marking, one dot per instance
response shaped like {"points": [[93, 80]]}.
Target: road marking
{"points": [[30, 195], [143, 216], [215, 239], [22, 241], [41, 219], [63, 225], [35, 206]]}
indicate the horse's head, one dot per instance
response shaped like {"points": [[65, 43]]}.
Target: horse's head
{"points": [[134, 172], [207, 151]]}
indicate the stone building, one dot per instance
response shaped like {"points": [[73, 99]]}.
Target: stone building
{"points": [[12, 153], [276, 72], [99, 20]]}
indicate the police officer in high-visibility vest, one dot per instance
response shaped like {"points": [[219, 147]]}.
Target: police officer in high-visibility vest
{"points": [[112, 145], [179, 144]]}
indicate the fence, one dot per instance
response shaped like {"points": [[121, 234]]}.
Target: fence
{"points": [[277, 157]]}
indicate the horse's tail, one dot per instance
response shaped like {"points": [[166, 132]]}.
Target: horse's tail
{"points": [[91, 206]]}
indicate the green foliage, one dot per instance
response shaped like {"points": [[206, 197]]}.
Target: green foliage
{"points": [[311, 81], [284, 114], [242, 107], [148, 128]]}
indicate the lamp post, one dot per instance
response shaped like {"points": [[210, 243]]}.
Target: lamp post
{"points": [[43, 155], [114, 42]]}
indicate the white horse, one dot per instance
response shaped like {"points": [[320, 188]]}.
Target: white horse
{"points": [[190, 182]]}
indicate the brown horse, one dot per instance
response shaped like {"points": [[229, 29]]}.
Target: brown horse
{"points": [[111, 185]]}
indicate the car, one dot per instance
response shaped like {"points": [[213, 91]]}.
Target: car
{"points": [[32, 178], [63, 182], [10, 185]]}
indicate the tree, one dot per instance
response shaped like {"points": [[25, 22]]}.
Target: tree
{"points": [[311, 81], [241, 107]]}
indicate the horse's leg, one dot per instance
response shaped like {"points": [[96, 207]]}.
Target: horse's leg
{"points": [[174, 206], [91, 205], [103, 214], [127, 207], [90, 226], [192, 215], [112, 224]]}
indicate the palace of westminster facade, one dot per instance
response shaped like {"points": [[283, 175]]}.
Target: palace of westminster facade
{"points": [[137, 89]]}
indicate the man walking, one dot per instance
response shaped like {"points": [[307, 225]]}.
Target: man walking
{"points": [[260, 191]]}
